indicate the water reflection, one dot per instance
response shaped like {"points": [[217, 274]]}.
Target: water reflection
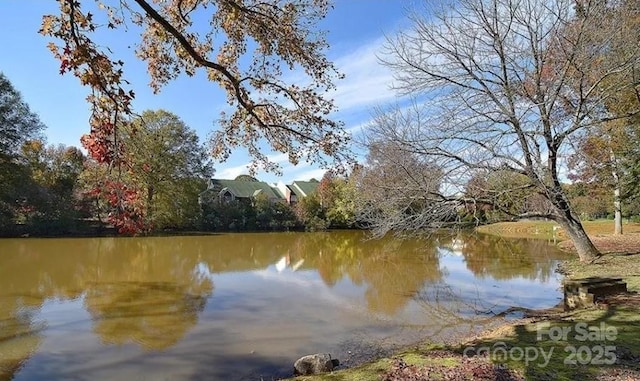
{"points": [[155, 315], [19, 334], [391, 270], [499, 258], [150, 293]]}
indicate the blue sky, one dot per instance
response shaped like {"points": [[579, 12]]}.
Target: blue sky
{"points": [[356, 32]]}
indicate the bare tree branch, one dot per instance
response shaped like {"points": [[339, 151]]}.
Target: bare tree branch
{"points": [[500, 86]]}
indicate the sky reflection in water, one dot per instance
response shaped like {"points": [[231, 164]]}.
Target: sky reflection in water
{"points": [[241, 306]]}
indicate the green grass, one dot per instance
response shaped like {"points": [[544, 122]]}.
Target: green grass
{"points": [[625, 320], [609, 265], [371, 371]]}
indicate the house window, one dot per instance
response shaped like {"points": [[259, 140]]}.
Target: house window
{"points": [[227, 196]]}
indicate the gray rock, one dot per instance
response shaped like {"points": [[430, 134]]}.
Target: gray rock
{"points": [[314, 364]]}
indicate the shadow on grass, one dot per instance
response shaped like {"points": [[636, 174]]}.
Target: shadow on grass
{"points": [[579, 345]]}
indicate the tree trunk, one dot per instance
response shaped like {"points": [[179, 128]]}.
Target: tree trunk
{"points": [[150, 202], [616, 197], [571, 224], [587, 252], [618, 211]]}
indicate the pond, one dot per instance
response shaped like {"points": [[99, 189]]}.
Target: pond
{"points": [[246, 306]]}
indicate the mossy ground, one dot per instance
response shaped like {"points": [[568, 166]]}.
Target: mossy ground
{"points": [[419, 356], [621, 313]]}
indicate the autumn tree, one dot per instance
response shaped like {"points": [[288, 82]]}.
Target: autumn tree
{"points": [[51, 202], [341, 213], [311, 213], [631, 164], [246, 178], [221, 216], [55, 167], [598, 163], [18, 124], [271, 215], [89, 182], [245, 47], [493, 196], [166, 169], [332, 205], [336, 194], [600, 154], [504, 86], [590, 202], [167, 162]]}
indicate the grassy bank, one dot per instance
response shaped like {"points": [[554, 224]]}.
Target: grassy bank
{"points": [[595, 337], [516, 353], [551, 230]]}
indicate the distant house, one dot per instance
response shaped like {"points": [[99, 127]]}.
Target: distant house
{"points": [[248, 188], [302, 189], [297, 190], [231, 190]]}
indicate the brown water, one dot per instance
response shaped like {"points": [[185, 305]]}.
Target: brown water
{"points": [[245, 306]]}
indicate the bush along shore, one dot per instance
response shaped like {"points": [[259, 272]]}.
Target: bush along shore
{"points": [[599, 342]]}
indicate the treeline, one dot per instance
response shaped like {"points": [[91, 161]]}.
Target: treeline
{"points": [[57, 190], [38, 183], [591, 199]]}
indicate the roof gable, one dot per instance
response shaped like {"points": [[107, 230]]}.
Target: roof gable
{"points": [[245, 189], [304, 188]]}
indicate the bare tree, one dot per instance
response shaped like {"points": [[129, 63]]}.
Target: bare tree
{"points": [[503, 85], [399, 191]]}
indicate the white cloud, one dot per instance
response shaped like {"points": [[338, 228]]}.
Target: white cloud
{"points": [[315, 173], [279, 158], [243, 169], [360, 127], [303, 171], [367, 82], [232, 172]]}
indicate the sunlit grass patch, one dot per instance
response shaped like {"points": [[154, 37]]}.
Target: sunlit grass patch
{"points": [[522, 229], [625, 266], [560, 348], [551, 230]]}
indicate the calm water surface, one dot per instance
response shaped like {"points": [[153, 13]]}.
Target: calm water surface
{"points": [[245, 306]]}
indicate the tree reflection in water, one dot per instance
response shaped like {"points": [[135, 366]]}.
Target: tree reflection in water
{"points": [[392, 270], [486, 257], [150, 292], [153, 314], [500, 258], [20, 334], [136, 290]]}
